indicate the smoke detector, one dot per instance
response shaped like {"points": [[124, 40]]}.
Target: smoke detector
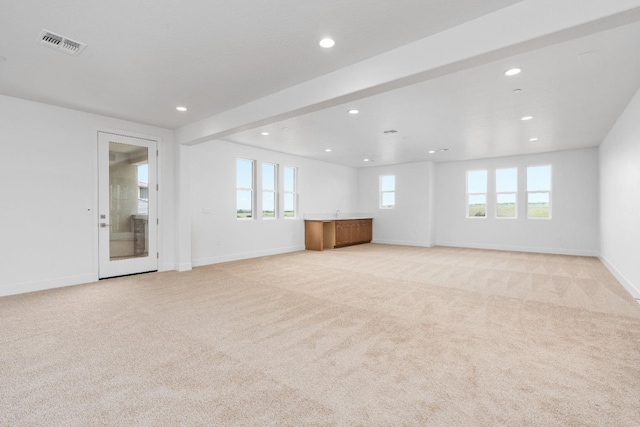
{"points": [[61, 43]]}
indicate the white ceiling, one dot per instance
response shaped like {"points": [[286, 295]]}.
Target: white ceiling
{"points": [[143, 58], [574, 90]]}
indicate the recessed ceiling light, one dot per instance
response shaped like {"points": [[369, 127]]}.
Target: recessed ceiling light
{"points": [[328, 150], [327, 43], [512, 72], [525, 118], [432, 151], [264, 133], [533, 139], [353, 111], [366, 160], [181, 108]]}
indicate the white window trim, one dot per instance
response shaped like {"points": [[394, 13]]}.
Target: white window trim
{"points": [[516, 204], [382, 193], [541, 192], [550, 205], [515, 193], [252, 189], [274, 191], [294, 192], [485, 194]]}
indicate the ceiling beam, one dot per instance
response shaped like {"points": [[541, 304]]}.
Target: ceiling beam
{"points": [[522, 27]]}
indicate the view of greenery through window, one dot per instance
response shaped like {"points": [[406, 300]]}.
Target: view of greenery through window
{"points": [[290, 192], [506, 193], [506, 188], [477, 193], [539, 191], [244, 184], [269, 183]]}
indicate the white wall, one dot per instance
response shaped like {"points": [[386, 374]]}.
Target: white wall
{"points": [[218, 236], [573, 228], [48, 182], [411, 221], [48, 171], [620, 198]]}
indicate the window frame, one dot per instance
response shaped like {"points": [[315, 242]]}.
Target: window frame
{"points": [[529, 192], [251, 190], [143, 192], [485, 194], [499, 193], [274, 191], [293, 193], [383, 192]]}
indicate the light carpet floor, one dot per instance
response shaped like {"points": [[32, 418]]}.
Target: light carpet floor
{"points": [[370, 335]]}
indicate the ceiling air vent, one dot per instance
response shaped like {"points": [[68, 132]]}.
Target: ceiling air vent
{"points": [[58, 42]]}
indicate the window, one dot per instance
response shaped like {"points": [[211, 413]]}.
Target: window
{"points": [[387, 191], [477, 194], [290, 196], [269, 185], [506, 193], [143, 191], [244, 188], [539, 191]]}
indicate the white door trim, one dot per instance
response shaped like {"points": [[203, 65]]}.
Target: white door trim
{"points": [[106, 266]]}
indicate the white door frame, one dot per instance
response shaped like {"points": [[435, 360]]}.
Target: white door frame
{"points": [[106, 266]]}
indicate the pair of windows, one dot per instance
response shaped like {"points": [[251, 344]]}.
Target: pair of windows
{"points": [[245, 190], [506, 192]]}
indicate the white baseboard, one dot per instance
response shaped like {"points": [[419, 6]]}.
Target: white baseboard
{"points": [[167, 266], [402, 243], [183, 266], [245, 255], [634, 291], [41, 285], [555, 251]]}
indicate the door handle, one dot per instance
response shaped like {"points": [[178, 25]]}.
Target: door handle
{"points": [[104, 225]]}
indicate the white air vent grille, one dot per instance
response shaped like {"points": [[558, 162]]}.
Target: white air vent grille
{"points": [[58, 42]]}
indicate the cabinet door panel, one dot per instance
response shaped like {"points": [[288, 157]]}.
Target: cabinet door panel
{"points": [[342, 233], [366, 230], [351, 232], [362, 229]]}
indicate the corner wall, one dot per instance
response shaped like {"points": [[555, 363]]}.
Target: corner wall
{"points": [[411, 221], [218, 236], [573, 229], [620, 198], [48, 171]]}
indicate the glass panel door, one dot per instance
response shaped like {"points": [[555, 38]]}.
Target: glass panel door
{"points": [[128, 201], [127, 208]]}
